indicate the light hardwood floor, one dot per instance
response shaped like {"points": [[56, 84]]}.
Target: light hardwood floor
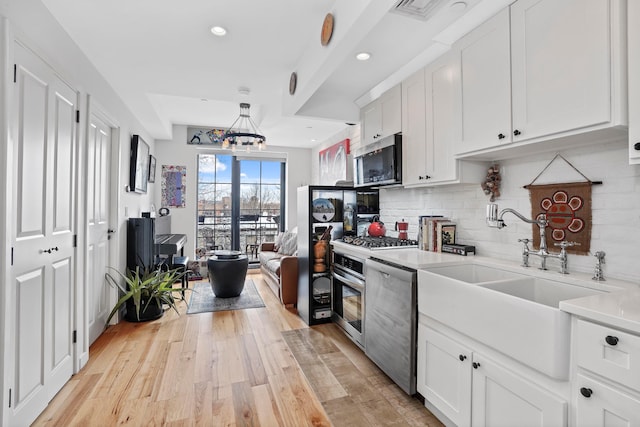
{"points": [[228, 368]]}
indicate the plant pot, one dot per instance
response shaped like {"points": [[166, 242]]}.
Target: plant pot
{"points": [[152, 312]]}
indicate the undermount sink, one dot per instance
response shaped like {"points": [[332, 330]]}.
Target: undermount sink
{"points": [[516, 314]]}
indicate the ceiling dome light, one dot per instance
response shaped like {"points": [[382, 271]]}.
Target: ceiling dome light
{"points": [[363, 56], [218, 31]]}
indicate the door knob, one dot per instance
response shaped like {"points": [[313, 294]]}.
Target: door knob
{"points": [[501, 136], [462, 357], [636, 146], [475, 365], [516, 132]]}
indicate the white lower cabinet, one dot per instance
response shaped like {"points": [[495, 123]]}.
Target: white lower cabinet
{"points": [[500, 397], [606, 385], [601, 405], [472, 389], [444, 374]]}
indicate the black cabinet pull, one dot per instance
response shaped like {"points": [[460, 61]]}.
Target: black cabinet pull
{"points": [[611, 340], [462, 357], [501, 136], [475, 365], [427, 177], [47, 251], [516, 132], [636, 146], [586, 392]]}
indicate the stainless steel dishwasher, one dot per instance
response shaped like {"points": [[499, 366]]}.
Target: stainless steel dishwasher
{"points": [[391, 320]]}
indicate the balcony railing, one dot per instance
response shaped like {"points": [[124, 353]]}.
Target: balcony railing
{"points": [[214, 233]]}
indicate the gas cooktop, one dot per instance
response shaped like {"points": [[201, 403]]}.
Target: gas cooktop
{"points": [[376, 243]]}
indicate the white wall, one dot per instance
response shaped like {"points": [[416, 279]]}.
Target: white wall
{"points": [[615, 208], [178, 152]]}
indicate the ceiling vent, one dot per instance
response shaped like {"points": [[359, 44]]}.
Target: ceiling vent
{"points": [[418, 9]]}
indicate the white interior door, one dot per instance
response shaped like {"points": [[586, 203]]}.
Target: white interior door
{"points": [[42, 287], [98, 233]]}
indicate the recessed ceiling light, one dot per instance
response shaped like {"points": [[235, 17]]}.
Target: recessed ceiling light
{"points": [[218, 31], [363, 56], [458, 6]]}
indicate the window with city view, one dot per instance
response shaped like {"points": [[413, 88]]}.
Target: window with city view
{"points": [[253, 199]]}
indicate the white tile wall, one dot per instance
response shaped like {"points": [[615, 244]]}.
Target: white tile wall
{"points": [[615, 204]]}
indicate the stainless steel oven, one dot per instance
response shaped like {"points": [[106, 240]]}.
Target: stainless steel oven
{"points": [[348, 295]]}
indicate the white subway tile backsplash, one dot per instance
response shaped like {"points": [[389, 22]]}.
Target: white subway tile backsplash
{"points": [[615, 208]]}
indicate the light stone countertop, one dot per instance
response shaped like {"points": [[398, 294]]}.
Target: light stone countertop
{"points": [[618, 305]]}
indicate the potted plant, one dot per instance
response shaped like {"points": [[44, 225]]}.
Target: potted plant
{"points": [[145, 291]]}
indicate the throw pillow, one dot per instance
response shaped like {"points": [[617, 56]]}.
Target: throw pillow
{"points": [[289, 244], [278, 241]]}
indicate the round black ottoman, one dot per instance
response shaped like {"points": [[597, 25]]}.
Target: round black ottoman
{"points": [[227, 271]]}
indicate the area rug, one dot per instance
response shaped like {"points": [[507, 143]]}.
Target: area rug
{"points": [[203, 299]]}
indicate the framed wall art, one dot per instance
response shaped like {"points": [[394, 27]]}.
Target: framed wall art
{"points": [[333, 163], [174, 180], [139, 165], [205, 136], [152, 169]]}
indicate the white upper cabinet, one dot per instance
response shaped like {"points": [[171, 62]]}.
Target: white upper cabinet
{"points": [[442, 88], [486, 85], [415, 165], [382, 117], [561, 59], [567, 77], [633, 18], [431, 127]]}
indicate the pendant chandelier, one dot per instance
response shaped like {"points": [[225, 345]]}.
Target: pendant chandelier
{"points": [[244, 132]]}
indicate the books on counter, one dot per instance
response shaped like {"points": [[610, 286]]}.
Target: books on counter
{"points": [[434, 231]]}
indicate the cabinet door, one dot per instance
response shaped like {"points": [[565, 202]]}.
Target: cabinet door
{"points": [[444, 374], [561, 66], [485, 81], [502, 398], [442, 88], [600, 405], [391, 107], [633, 17], [371, 118], [414, 159]]}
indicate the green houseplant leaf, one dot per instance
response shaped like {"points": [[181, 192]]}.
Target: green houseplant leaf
{"points": [[142, 286]]}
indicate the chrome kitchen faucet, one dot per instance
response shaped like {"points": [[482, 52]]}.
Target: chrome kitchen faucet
{"points": [[494, 219]]}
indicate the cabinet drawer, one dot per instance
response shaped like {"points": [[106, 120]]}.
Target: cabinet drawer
{"points": [[600, 405], [609, 352]]}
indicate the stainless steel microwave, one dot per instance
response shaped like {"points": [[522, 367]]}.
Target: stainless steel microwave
{"points": [[379, 163]]}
